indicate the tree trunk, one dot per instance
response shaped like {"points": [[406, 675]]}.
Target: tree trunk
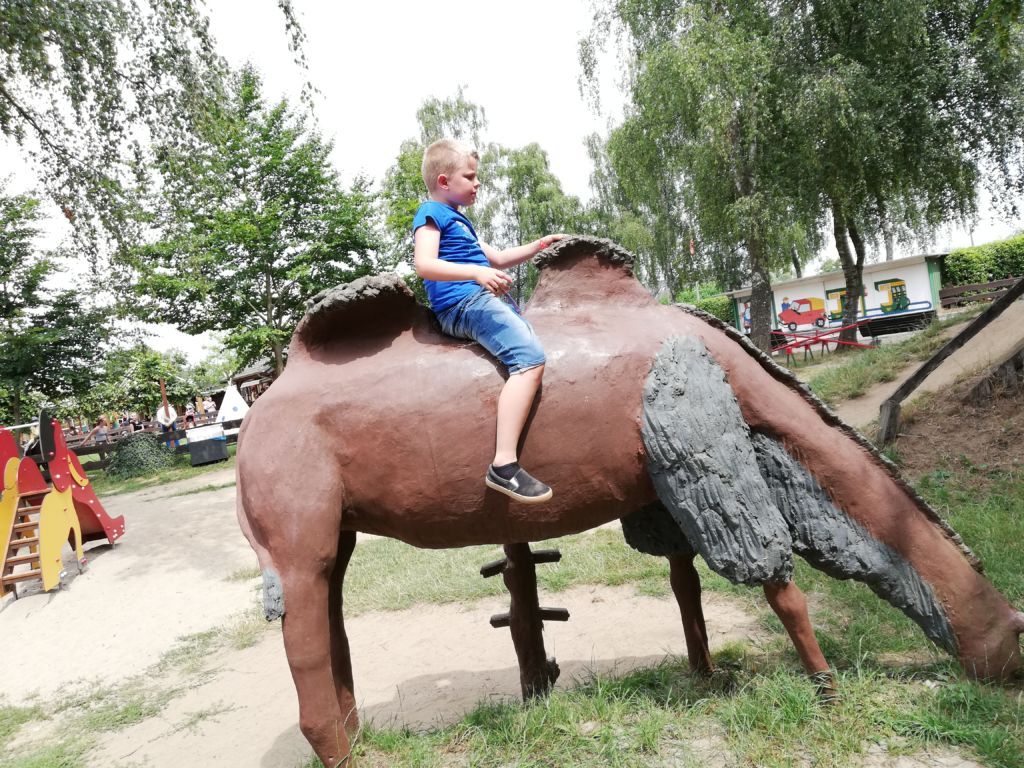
{"points": [[275, 346], [887, 234], [760, 297], [278, 357], [853, 269], [795, 256]]}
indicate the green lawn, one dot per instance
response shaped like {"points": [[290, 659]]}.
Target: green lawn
{"points": [[105, 485], [859, 370]]}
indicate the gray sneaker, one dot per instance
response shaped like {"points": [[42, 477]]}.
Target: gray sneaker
{"points": [[522, 487]]}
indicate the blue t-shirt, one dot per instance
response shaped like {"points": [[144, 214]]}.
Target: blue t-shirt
{"points": [[459, 244]]}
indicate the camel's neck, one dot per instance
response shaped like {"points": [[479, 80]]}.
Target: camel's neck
{"points": [[584, 280]]}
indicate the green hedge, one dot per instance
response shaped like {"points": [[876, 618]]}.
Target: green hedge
{"points": [[719, 306], [984, 263], [139, 455]]}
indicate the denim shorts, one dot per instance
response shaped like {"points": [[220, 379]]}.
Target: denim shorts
{"points": [[484, 318]]}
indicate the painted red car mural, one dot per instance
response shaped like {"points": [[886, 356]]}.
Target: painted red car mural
{"points": [[802, 312]]}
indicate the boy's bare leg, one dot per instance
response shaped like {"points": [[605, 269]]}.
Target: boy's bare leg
{"points": [[514, 405]]}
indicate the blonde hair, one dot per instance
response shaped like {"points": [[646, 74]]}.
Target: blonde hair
{"points": [[444, 156]]}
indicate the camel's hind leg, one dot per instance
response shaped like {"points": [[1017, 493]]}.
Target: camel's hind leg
{"points": [[341, 659]]}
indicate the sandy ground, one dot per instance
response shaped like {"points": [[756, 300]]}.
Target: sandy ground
{"points": [[997, 342]]}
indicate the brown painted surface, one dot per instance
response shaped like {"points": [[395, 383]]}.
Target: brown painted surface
{"points": [[380, 424]]}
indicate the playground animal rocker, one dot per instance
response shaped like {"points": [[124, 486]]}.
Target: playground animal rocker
{"points": [[660, 416]]}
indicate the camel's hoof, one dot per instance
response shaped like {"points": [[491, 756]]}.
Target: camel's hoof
{"points": [[825, 687]]}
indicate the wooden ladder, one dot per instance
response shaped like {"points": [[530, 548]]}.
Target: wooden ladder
{"points": [[24, 545]]}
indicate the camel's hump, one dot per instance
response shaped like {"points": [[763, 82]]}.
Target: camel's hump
{"points": [[356, 307], [583, 245], [346, 295]]}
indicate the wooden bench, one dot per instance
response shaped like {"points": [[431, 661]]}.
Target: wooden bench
{"points": [[959, 295]]}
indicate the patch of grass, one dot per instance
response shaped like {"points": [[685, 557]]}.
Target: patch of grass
{"points": [[245, 574], [67, 753], [663, 716], [203, 489], [193, 720], [12, 718], [865, 368], [105, 485], [126, 707], [388, 575], [965, 713], [190, 652], [247, 630]]}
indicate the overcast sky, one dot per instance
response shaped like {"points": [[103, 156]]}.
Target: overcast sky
{"points": [[375, 63]]}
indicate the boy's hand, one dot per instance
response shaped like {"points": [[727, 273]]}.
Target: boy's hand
{"points": [[547, 240], [494, 280]]}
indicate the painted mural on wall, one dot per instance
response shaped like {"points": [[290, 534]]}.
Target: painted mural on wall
{"points": [[798, 312], [900, 287]]}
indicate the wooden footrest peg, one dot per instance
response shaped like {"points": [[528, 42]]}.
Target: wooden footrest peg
{"points": [[546, 614], [495, 567]]}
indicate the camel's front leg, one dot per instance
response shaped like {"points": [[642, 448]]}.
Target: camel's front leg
{"points": [[341, 659], [307, 641], [790, 605]]}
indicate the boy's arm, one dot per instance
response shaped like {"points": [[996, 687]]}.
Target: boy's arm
{"points": [[426, 243], [510, 257]]}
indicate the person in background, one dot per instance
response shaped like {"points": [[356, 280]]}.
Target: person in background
{"points": [[100, 433]]}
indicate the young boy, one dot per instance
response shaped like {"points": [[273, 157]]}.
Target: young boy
{"points": [[464, 280]]}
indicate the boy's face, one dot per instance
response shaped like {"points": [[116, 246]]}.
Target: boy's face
{"points": [[460, 187]]}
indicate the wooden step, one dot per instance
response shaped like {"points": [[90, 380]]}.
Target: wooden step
{"points": [[31, 525], [19, 559], [14, 578], [28, 541], [29, 509]]}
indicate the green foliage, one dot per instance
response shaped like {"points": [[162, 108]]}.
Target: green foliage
{"points": [[750, 121], [709, 298], [139, 455], [719, 306], [129, 380], [50, 341], [250, 224], [83, 84], [984, 263], [214, 370]]}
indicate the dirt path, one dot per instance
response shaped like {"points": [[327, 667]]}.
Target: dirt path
{"points": [[994, 344]]}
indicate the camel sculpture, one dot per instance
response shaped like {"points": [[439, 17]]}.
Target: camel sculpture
{"points": [[657, 415]]}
